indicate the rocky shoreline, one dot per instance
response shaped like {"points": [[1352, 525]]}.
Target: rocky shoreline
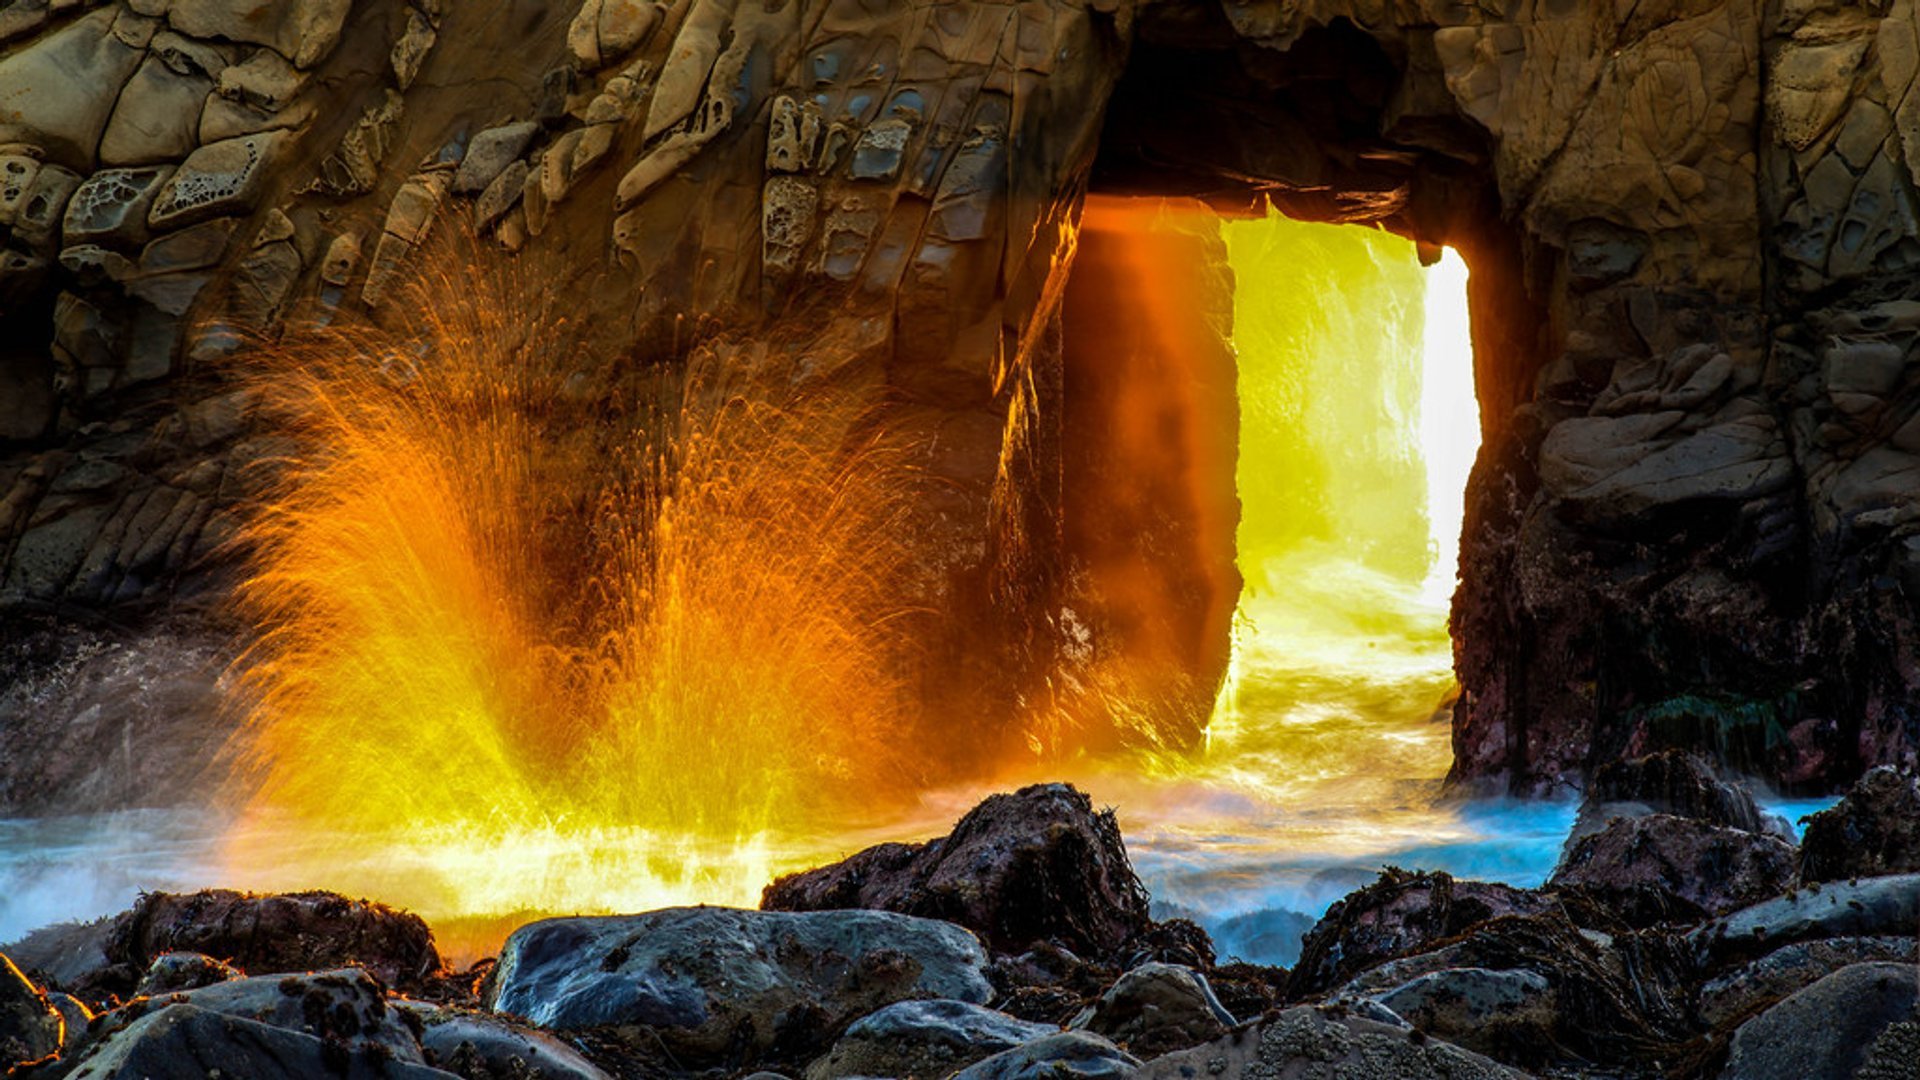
{"points": [[1683, 935]]}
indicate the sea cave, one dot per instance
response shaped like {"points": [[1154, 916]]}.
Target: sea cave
{"points": [[828, 538]]}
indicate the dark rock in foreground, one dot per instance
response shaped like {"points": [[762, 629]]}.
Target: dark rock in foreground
{"points": [[1069, 1055], [1874, 830], [30, 1027], [719, 986], [1309, 1042], [1157, 1008], [186, 1042], [1035, 866], [1857, 1022], [284, 932], [1399, 914], [1869, 908], [923, 1038], [1712, 869]]}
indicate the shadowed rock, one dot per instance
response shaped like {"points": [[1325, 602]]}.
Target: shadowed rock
{"points": [[923, 1038], [1069, 1055], [1308, 1042], [1676, 782], [1874, 907], [276, 933], [1037, 865], [1713, 869], [724, 986], [1399, 914], [30, 1027], [1875, 830], [1832, 1030], [1156, 1009]]}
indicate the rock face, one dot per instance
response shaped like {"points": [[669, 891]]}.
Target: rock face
{"points": [[1034, 866], [1399, 914], [718, 985], [275, 933], [1691, 228], [1875, 830], [1680, 783]]}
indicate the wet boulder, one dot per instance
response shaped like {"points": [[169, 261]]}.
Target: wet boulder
{"points": [[175, 971], [1400, 914], [347, 1008], [74, 1015], [265, 934], [1537, 990], [923, 1038], [1676, 782], [187, 1042], [1494, 1012], [30, 1027], [1067, 1055], [1746, 990], [479, 1046], [720, 986], [1710, 868], [1859, 1021], [1037, 865], [1155, 1009], [1873, 831], [1325, 1042], [1872, 907]]}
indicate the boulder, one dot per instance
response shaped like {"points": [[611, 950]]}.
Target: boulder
{"points": [[1401, 913], [1018, 869], [1504, 1014], [174, 971], [1156, 1009], [719, 985], [75, 1018], [489, 155], [186, 1042], [219, 179], [1068, 1055], [1712, 868], [1874, 907], [275, 933], [1874, 830], [346, 1008], [923, 1038], [1744, 991], [1859, 1020], [30, 1027], [1306, 1042], [479, 1046], [1676, 782]]}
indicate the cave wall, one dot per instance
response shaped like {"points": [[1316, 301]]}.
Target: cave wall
{"points": [[1691, 225]]}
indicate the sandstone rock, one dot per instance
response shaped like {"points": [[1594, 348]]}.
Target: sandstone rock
{"points": [[1019, 869], [1874, 830], [185, 1042], [411, 50], [1157, 1008], [17, 171], [923, 1038], [1070, 1055], [37, 224], [1399, 914], [1741, 992], [195, 248], [1493, 1012], [264, 81], [303, 31], [343, 254], [603, 31], [1872, 907], [490, 153], [715, 984], [1829, 1030], [157, 118], [276, 933], [1712, 868], [477, 1046], [500, 196], [218, 179], [59, 92], [111, 207], [1305, 1042], [175, 971], [30, 1027]]}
